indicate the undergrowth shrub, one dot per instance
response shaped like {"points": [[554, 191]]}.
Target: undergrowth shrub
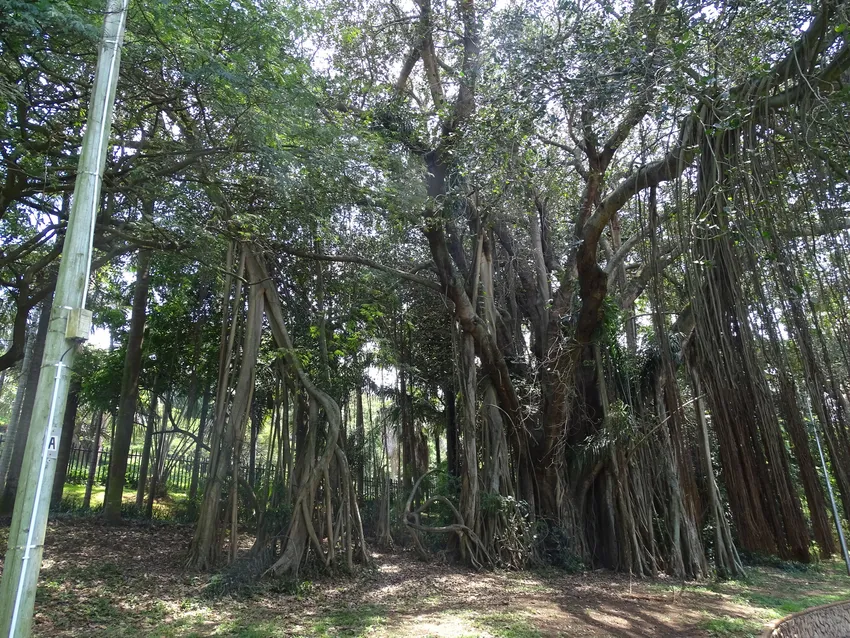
{"points": [[553, 546]]}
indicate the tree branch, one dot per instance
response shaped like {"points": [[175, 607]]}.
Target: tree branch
{"points": [[355, 259]]}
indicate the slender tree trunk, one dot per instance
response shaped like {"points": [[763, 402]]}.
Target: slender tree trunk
{"points": [[451, 429], [97, 423], [301, 527], [408, 443], [231, 307], [14, 418], [199, 446], [69, 423], [161, 456], [108, 452], [321, 318], [204, 550], [360, 437], [234, 506], [286, 448], [252, 451], [725, 554], [144, 466], [383, 532], [129, 392], [469, 473], [10, 490]]}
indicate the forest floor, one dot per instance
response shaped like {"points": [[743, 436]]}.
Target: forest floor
{"points": [[129, 581]]}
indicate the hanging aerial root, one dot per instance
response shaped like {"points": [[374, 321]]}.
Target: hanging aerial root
{"points": [[302, 532], [478, 555]]}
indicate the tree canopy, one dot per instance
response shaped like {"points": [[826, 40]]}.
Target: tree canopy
{"points": [[595, 253]]}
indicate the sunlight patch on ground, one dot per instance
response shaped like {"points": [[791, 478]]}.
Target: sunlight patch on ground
{"points": [[110, 581], [606, 618], [389, 569]]}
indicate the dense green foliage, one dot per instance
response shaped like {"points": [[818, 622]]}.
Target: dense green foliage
{"points": [[585, 261]]}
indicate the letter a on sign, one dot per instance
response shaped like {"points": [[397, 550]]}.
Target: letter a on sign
{"points": [[52, 447]]}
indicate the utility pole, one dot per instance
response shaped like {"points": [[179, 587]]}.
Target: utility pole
{"points": [[69, 325]]}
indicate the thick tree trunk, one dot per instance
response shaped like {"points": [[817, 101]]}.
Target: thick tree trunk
{"points": [[129, 392], [10, 489]]}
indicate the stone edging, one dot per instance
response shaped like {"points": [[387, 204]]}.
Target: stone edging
{"points": [[772, 632]]}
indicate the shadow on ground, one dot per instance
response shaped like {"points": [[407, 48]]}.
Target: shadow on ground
{"points": [[129, 581]]}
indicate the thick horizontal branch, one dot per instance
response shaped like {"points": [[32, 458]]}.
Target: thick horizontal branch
{"points": [[369, 263], [618, 257], [665, 169], [817, 230], [186, 433]]}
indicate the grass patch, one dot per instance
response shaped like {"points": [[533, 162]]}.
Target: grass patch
{"points": [[350, 622], [771, 593], [727, 626], [262, 629], [786, 605], [75, 493], [781, 593], [508, 625], [171, 507]]}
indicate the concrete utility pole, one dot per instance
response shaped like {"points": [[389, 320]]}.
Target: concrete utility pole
{"points": [[69, 325]]}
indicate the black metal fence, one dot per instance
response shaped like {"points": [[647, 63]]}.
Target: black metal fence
{"points": [[179, 474], [178, 468], [373, 490]]}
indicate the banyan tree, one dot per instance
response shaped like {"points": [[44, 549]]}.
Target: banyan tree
{"points": [[623, 236]]}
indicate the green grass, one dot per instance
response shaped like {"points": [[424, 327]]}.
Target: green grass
{"points": [[337, 623], [507, 625], [263, 629], [350, 622], [727, 626], [77, 492], [784, 606], [773, 593], [164, 509]]}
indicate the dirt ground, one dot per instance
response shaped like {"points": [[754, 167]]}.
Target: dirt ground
{"points": [[129, 581]]}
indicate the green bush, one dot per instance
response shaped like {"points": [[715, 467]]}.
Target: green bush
{"points": [[554, 546]]}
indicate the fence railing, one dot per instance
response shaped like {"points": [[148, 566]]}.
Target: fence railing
{"points": [[178, 468], [179, 474], [372, 490]]}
